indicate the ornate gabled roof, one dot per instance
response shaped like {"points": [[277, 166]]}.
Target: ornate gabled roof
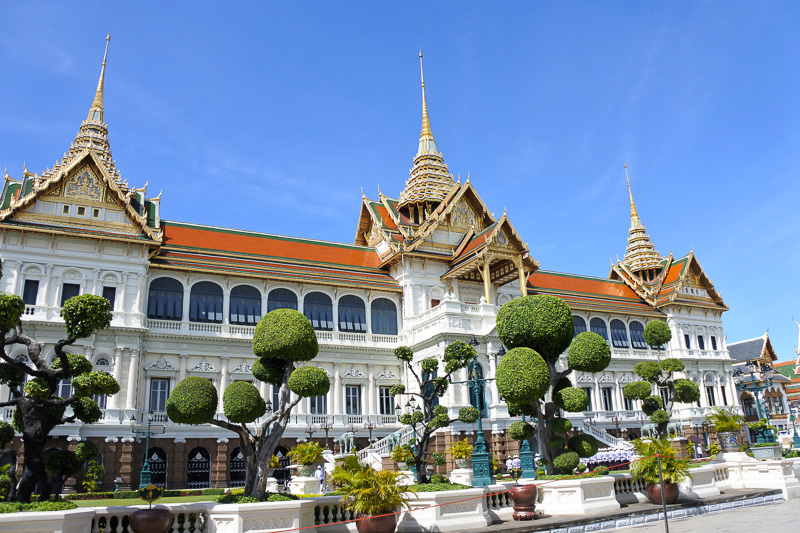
{"points": [[640, 253], [195, 247], [429, 179], [591, 294], [752, 349], [86, 175]]}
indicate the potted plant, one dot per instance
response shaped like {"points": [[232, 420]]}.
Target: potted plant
{"points": [[372, 496], [673, 468], [402, 455], [461, 451], [765, 432], [306, 455], [727, 424], [523, 496]]}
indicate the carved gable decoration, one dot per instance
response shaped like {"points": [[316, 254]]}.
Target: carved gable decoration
{"points": [[626, 379], [242, 368], [463, 216], [84, 184], [161, 364], [354, 373], [203, 366], [605, 378], [586, 378], [387, 374]]}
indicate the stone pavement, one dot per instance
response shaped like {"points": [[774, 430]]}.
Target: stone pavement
{"points": [[708, 514]]}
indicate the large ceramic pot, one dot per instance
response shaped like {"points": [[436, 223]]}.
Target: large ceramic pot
{"points": [[524, 498], [671, 492], [305, 470], [376, 524], [462, 462], [153, 520], [728, 441], [402, 465]]}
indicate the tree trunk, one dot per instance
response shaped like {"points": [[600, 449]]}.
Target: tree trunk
{"points": [[33, 471], [422, 455]]}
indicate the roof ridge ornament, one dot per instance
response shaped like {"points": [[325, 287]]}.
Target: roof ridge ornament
{"points": [[427, 145], [96, 111], [640, 254]]}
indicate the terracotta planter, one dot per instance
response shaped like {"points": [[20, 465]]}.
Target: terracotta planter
{"points": [[154, 520], [671, 492], [728, 441], [524, 498], [376, 524]]}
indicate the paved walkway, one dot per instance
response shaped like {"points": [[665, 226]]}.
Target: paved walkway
{"points": [[710, 514]]}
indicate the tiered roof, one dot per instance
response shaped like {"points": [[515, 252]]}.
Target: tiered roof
{"points": [[640, 254], [216, 250]]}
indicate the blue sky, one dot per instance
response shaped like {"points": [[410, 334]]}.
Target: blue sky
{"points": [[273, 116]]}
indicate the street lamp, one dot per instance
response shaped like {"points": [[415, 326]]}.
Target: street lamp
{"points": [[351, 428], [310, 430], [616, 420], [369, 425], [481, 463], [144, 479], [326, 427], [764, 372]]}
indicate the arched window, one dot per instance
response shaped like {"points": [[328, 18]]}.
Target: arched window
{"points": [[165, 300], [245, 305], [598, 326], [580, 324], [281, 299], [637, 336], [384, 317], [198, 469], [619, 334], [102, 361], [205, 302], [352, 314], [158, 466], [318, 308], [237, 469]]}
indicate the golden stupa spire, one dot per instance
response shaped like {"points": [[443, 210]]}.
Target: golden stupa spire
{"points": [[640, 254], [426, 143], [96, 111]]}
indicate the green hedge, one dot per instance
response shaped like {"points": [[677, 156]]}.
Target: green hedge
{"points": [[309, 381], [542, 323], [438, 487], [128, 494], [242, 402], [194, 401], [522, 376], [285, 334], [15, 507]]}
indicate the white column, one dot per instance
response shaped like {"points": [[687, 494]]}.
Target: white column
{"points": [[140, 288], [371, 393], [95, 277], [57, 300], [44, 299], [223, 382], [182, 366], [14, 266], [113, 401], [337, 390], [123, 292], [133, 366]]}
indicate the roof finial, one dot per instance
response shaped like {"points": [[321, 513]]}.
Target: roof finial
{"points": [[634, 214], [426, 143], [96, 111]]}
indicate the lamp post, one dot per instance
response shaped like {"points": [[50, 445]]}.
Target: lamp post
{"points": [[796, 438], [369, 425], [481, 463], [310, 430], [326, 427], [764, 372], [616, 420], [144, 479]]}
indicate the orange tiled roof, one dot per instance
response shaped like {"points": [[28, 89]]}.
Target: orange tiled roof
{"points": [[590, 293], [205, 248]]}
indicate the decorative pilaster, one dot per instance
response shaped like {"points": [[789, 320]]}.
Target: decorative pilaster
{"points": [[223, 384], [133, 367], [182, 366], [371, 392], [337, 390]]}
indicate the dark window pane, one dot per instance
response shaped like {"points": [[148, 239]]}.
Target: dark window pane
{"points": [[619, 334], [281, 299], [701, 343], [110, 294], [637, 336], [245, 305], [165, 300], [318, 308], [713, 343], [68, 290], [30, 291], [687, 341], [598, 326], [579, 323], [205, 302], [384, 317], [352, 314]]}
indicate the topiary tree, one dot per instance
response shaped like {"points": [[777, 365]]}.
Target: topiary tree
{"points": [[662, 375], [430, 386], [538, 329], [282, 339], [33, 383]]}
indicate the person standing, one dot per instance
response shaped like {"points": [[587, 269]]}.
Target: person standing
{"points": [[509, 464], [517, 462], [320, 475]]}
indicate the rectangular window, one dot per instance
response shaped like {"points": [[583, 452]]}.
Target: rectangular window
{"points": [[710, 396], [386, 401], [64, 389], [608, 401], [101, 400], [687, 341], [319, 405], [68, 290], [588, 391], [713, 342], [352, 399], [30, 291], [628, 404], [95, 213], [110, 294], [81, 211], [159, 390], [724, 395], [749, 408], [65, 210], [701, 343]]}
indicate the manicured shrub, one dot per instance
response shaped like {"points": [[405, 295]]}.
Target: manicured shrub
{"points": [[457, 354], [672, 365], [62, 463], [38, 389], [6, 433], [648, 370], [561, 425], [601, 470], [589, 352], [285, 334], [638, 390], [571, 399], [242, 403], [542, 323], [86, 450], [94, 383], [584, 445], [78, 363], [686, 390], [308, 381], [556, 443], [659, 416], [85, 314], [651, 404], [522, 376], [269, 370], [193, 401], [657, 333], [87, 410], [565, 462], [11, 374], [520, 430], [11, 308]]}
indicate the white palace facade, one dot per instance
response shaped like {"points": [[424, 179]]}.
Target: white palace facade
{"points": [[424, 270]]}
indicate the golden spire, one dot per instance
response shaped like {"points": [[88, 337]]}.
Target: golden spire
{"points": [[96, 111], [640, 254], [426, 143]]}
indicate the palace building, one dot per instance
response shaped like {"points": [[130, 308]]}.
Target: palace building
{"points": [[425, 269]]}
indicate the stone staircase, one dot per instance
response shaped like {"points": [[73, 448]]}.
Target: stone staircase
{"points": [[607, 438], [371, 455]]}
